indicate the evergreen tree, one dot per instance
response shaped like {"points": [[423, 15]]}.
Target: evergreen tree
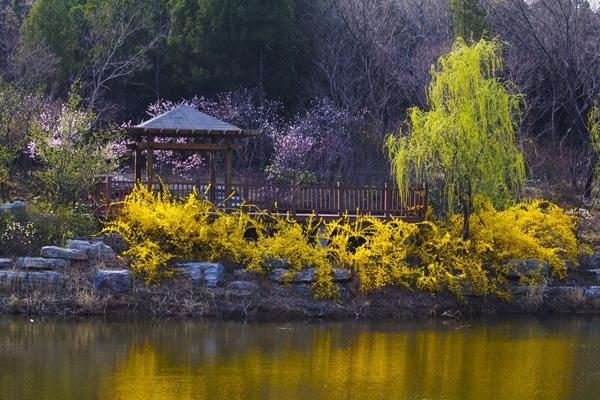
{"points": [[221, 44]]}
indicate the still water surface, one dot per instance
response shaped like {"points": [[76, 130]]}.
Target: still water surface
{"points": [[500, 359]]}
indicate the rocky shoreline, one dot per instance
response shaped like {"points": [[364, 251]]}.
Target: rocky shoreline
{"points": [[85, 278]]}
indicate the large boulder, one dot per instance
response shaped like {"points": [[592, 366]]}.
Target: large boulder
{"points": [[7, 263], [209, 274], [62, 253], [43, 280], [113, 282], [42, 263], [96, 250]]}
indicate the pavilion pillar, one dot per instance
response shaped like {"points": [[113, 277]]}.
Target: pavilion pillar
{"points": [[150, 161], [137, 163], [228, 170], [212, 176]]}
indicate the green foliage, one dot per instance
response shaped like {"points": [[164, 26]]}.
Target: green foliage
{"points": [[54, 24], [469, 19], [92, 39], [430, 256], [74, 157], [465, 145], [219, 44], [40, 224]]}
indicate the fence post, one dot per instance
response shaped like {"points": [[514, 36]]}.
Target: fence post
{"points": [[245, 193], [340, 195], [108, 187], [387, 200], [198, 186]]}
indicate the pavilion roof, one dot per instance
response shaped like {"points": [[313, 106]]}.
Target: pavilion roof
{"points": [[187, 121]]}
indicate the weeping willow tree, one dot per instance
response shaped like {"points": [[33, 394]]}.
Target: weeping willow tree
{"points": [[465, 144]]}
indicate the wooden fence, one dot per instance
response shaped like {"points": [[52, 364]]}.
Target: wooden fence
{"points": [[300, 201]]}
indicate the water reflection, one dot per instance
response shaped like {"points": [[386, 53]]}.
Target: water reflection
{"points": [[517, 359]]}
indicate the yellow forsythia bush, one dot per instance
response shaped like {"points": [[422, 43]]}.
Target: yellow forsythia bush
{"points": [[429, 256]]}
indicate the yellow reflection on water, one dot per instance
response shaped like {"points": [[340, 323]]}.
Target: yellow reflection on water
{"points": [[342, 361]]}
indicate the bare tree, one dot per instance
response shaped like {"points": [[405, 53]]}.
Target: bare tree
{"points": [[373, 58], [554, 56], [376, 54], [120, 38]]}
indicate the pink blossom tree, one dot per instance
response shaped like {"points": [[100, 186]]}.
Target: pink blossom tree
{"points": [[246, 108], [315, 146]]}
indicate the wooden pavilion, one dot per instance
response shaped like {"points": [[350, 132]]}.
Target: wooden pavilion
{"points": [[212, 135], [209, 134]]}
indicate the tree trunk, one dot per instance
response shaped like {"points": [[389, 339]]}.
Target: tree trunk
{"points": [[466, 215], [587, 193], [467, 208]]}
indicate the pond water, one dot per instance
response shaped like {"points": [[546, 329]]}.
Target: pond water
{"points": [[181, 359]]}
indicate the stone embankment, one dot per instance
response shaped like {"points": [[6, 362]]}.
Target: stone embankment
{"points": [[86, 277]]}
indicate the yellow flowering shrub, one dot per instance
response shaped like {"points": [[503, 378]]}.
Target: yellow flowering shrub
{"points": [[481, 265], [429, 256], [380, 259], [532, 229]]}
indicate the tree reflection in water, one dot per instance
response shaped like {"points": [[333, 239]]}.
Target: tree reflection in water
{"points": [[512, 359]]}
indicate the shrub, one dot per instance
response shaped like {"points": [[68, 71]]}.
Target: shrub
{"points": [[41, 224], [430, 256], [74, 156]]}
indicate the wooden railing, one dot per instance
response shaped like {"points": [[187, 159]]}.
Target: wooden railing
{"points": [[326, 201]]}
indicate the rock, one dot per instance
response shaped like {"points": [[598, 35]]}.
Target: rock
{"points": [[276, 263], [62, 253], [113, 282], [96, 251], [302, 289], [14, 206], [42, 263], [245, 274], [114, 241], [47, 280], [245, 286], [16, 209], [527, 268], [590, 261], [341, 275], [595, 273], [281, 275], [7, 263], [307, 275], [208, 273], [592, 292], [92, 249]]}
